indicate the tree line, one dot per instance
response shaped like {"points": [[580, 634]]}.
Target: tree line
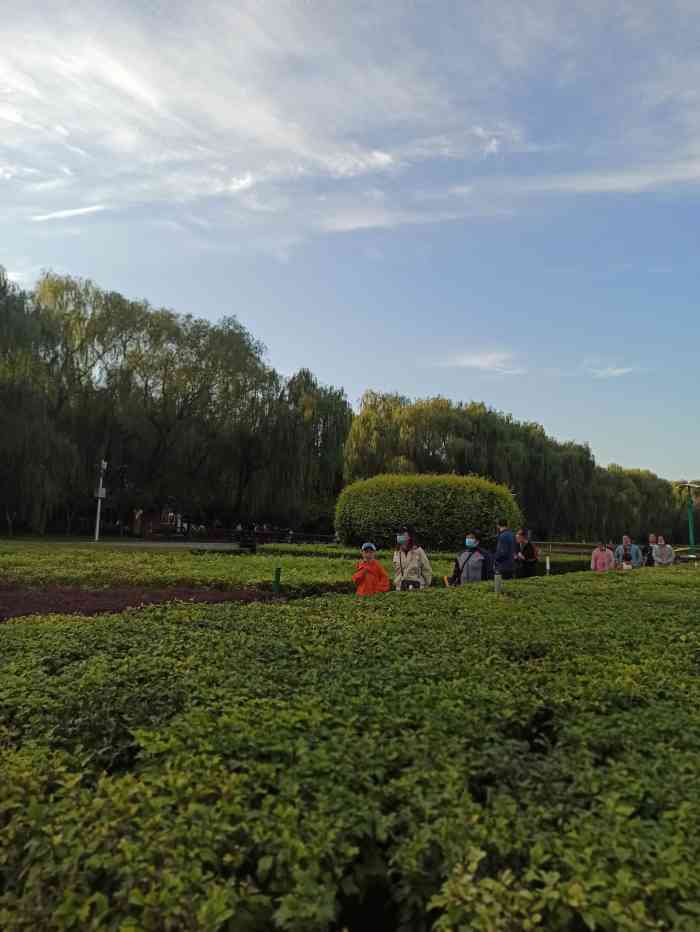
{"points": [[561, 490], [186, 412], [191, 417]]}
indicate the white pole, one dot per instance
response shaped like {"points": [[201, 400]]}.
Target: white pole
{"points": [[548, 564], [100, 496]]}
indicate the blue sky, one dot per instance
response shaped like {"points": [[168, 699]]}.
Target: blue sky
{"points": [[485, 200]]}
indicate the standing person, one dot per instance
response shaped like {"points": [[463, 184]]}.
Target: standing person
{"points": [[412, 569], [526, 556], [506, 550], [371, 576], [628, 553], [602, 559], [648, 551], [474, 564], [664, 554]]}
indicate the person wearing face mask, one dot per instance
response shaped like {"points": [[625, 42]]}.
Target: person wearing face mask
{"points": [[664, 554], [474, 564], [412, 569]]}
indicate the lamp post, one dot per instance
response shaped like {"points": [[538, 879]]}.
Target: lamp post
{"points": [[99, 495]]}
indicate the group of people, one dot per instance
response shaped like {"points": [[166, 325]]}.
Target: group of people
{"points": [[629, 556], [514, 553]]}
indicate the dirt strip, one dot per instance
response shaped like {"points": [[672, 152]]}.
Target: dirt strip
{"points": [[72, 600]]}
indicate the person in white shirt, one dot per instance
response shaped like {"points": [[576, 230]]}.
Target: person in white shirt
{"points": [[412, 569], [663, 553]]}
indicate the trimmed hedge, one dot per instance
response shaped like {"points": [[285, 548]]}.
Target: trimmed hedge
{"points": [[305, 571], [450, 760], [440, 508], [302, 575]]}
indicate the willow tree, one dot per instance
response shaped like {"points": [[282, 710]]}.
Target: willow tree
{"points": [[187, 412], [559, 487]]}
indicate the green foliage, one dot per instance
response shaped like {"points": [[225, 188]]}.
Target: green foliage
{"points": [[192, 419], [189, 408], [561, 490], [42, 565], [447, 760], [441, 508], [305, 570]]}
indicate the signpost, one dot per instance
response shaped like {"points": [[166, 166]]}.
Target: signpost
{"points": [[99, 495]]}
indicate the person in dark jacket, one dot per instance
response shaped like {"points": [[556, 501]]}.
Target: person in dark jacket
{"points": [[526, 556], [648, 551], [474, 564], [506, 551]]}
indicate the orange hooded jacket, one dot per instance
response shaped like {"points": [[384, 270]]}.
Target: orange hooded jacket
{"points": [[371, 578]]}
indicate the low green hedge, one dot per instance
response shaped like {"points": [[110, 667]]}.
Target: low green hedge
{"points": [[303, 572], [440, 508], [448, 760], [118, 567]]}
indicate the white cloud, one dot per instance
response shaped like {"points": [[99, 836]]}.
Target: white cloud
{"points": [[611, 372], [499, 362], [631, 180], [73, 212], [277, 103], [23, 273], [364, 217], [606, 369], [242, 183]]}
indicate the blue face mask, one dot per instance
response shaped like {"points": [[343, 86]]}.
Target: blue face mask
{"points": [[470, 542]]}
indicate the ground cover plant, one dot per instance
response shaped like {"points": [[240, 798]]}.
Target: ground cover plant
{"points": [[40, 566], [445, 760], [85, 566], [560, 561]]}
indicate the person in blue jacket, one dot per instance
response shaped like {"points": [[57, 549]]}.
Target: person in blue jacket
{"points": [[628, 553], [506, 550]]}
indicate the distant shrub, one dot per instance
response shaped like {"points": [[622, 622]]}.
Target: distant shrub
{"points": [[440, 508]]}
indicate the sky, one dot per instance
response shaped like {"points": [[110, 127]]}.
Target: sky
{"points": [[493, 200]]}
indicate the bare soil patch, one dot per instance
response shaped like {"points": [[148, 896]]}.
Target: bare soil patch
{"points": [[72, 600]]}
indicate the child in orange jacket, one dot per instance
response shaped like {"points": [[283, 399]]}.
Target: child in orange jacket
{"points": [[371, 576]]}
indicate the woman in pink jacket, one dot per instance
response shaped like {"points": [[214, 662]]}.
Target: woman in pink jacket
{"points": [[602, 559]]}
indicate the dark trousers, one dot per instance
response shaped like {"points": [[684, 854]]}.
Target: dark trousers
{"points": [[505, 574]]}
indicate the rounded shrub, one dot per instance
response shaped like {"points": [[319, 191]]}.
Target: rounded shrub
{"points": [[440, 508]]}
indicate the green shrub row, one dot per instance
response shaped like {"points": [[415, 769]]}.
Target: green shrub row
{"points": [[303, 573], [450, 761], [440, 508]]}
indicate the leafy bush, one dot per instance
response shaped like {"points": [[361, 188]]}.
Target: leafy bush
{"points": [[303, 572], [440, 508], [447, 760], [302, 575]]}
